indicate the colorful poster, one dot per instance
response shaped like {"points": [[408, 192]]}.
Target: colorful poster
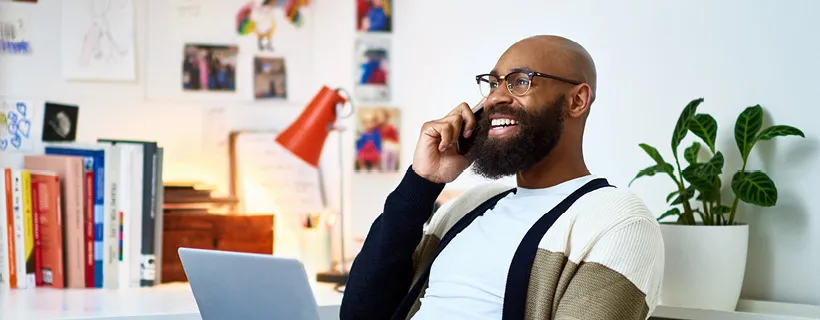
{"points": [[14, 26], [374, 16], [98, 40], [377, 139], [209, 67], [16, 125], [373, 63], [270, 78]]}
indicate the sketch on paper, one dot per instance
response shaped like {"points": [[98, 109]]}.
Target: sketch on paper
{"points": [[16, 125], [98, 40]]}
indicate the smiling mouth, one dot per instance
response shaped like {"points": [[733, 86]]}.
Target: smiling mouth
{"points": [[502, 123]]}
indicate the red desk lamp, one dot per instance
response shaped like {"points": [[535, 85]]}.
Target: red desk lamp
{"points": [[305, 138]]}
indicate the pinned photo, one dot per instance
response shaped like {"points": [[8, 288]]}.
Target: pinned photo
{"points": [[209, 67], [270, 78], [374, 16], [377, 139], [373, 62]]}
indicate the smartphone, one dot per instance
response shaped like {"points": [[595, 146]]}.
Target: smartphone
{"points": [[463, 144]]}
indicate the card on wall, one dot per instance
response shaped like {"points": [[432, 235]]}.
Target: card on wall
{"points": [[377, 139], [98, 40], [14, 26], [373, 62], [16, 125]]}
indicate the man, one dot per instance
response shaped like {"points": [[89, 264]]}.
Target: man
{"points": [[562, 245]]}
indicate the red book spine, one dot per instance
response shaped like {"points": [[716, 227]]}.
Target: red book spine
{"points": [[38, 248], [89, 228]]}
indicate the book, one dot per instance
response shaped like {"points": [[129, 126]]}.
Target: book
{"points": [[150, 208], [36, 213], [69, 170], [11, 244], [19, 227], [46, 199], [106, 213], [4, 250]]}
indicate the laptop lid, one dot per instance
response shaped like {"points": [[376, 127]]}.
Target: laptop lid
{"points": [[232, 285]]}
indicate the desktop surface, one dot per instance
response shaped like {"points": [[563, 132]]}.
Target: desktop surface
{"points": [[167, 301]]}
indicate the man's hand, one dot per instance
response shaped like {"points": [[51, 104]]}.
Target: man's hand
{"points": [[436, 158]]}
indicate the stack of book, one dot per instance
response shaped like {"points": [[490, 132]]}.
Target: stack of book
{"points": [[82, 215]]}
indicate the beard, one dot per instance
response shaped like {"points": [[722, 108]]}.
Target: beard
{"points": [[538, 133]]}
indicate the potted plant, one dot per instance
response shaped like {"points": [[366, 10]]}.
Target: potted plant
{"points": [[706, 247]]}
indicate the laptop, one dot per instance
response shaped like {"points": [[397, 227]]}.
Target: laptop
{"points": [[232, 285]]}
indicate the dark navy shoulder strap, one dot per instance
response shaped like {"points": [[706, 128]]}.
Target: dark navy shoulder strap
{"points": [[415, 291], [518, 277]]}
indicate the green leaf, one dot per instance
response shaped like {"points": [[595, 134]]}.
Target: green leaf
{"points": [[714, 166], [721, 209], [652, 170], [755, 187], [691, 153], [671, 195], [705, 127], [689, 192], [705, 177], [655, 155], [671, 212], [683, 123], [779, 131], [695, 175], [746, 128]]}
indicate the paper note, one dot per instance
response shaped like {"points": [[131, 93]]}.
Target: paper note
{"points": [[14, 26], [98, 40], [16, 125]]}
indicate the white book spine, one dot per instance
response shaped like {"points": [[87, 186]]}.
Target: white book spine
{"points": [[111, 224], [124, 197], [19, 235], [134, 232], [4, 250]]}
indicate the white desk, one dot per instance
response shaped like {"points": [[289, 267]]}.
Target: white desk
{"points": [[168, 301]]}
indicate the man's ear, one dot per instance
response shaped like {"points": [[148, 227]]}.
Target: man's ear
{"points": [[580, 100]]}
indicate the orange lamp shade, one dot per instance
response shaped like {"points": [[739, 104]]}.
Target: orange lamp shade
{"points": [[306, 136]]}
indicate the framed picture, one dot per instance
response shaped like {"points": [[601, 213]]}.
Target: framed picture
{"points": [[377, 139], [374, 15], [373, 66], [269, 78], [209, 67]]}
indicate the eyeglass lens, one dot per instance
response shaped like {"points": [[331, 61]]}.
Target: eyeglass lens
{"points": [[518, 84]]}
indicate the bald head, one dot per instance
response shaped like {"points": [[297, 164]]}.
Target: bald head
{"points": [[565, 58]]}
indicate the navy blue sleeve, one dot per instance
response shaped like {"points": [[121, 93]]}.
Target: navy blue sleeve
{"points": [[382, 272]]}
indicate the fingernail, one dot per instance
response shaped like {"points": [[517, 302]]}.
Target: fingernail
{"points": [[442, 147], [468, 133]]}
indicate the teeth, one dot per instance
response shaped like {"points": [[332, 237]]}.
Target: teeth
{"points": [[503, 122]]}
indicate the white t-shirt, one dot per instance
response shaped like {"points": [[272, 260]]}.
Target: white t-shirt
{"points": [[468, 278]]}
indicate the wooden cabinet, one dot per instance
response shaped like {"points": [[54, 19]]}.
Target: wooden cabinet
{"points": [[241, 233]]}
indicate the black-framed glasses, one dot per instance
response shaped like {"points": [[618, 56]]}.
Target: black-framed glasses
{"points": [[518, 82]]}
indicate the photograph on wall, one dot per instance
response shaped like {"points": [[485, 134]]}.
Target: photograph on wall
{"points": [[98, 40], [374, 16], [373, 69], [377, 139], [269, 78], [209, 67], [60, 122]]}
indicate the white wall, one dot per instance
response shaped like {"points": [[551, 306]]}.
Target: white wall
{"points": [[652, 57]]}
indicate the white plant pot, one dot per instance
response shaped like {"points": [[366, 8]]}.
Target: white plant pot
{"points": [[704, 266]]}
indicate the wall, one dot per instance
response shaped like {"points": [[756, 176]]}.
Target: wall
{"points": [[652, 58]]}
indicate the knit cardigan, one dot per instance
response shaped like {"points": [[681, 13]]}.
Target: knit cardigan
{"points": [[602, 259]]}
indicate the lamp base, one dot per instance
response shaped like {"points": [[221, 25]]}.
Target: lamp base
{"points": [[339, 278]]}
